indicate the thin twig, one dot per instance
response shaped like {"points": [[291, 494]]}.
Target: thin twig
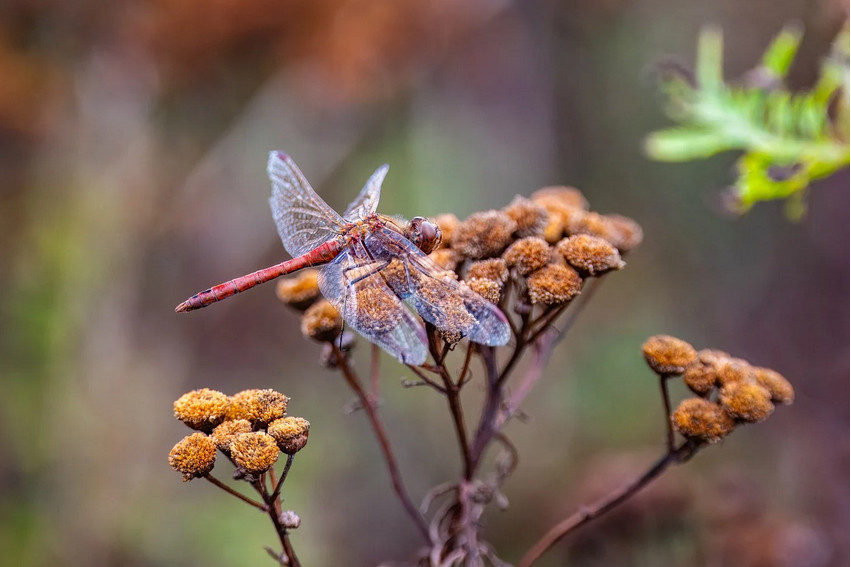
{"points": [[462, 376], [274, 515], [280, 482], [384, 444], [603, 505], [375, 371], [451, 390], [493, 398], [666, 402], [229, 490]]}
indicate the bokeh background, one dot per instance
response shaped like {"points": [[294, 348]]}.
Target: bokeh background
{"points": [[133, 142]]}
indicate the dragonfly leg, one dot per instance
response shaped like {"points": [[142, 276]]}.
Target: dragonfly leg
{"points": [[378, 266]]}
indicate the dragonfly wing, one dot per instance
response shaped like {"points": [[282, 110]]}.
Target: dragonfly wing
{"points": [[367, 200], [303, 219], [439, 299], [352, 282]]}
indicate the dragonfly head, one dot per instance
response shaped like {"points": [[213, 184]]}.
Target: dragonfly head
{"points": [[424, 234]]}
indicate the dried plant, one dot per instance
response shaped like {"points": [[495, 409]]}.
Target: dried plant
{"points": [[539, 259]]}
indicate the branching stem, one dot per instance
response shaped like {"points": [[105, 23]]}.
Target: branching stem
{"points": [[384, 444]]}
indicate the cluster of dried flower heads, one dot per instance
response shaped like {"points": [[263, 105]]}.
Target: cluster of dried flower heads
{"points": [[531, 259], [729, 391], [251, 428], [536, 251]]}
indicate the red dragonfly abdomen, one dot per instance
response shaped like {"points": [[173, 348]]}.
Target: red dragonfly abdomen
{"points": [[322, 254]]}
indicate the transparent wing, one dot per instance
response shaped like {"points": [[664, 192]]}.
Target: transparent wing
{"points": [[367, 200], [303, 219], [352, 282], [439, 299]]}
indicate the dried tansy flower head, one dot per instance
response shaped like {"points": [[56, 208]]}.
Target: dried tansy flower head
{"points": [[202, 409], [561, 194], [668, 355], [780, 389], [553, 284], [590, 255], [447, 223], [531, 217], [227, 431], [321, 322], [732, 370], [493, 269], [255, 452], [625, 234], [484, 235], [745, 394], [527, 255], [747, 401], [376, 310], [300, 290], [260, 407], [445, 258], [290, 433], [488, 289], [701, 419], [193, 456]]}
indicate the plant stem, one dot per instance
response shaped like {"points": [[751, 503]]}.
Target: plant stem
{"points": [[274, 515], [384, 444], [666, 402], [281, 480], [233, 492], [603, 505]]}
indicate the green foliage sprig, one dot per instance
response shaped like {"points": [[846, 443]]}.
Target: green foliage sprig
{"points": [[789, 139]]}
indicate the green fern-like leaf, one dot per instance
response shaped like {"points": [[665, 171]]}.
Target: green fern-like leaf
{"points": [[789, 139]]}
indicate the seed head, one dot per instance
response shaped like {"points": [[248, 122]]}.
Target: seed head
{"points": [[445, 258], [202, 409], [321, 322], [447, 223], [561, 207], [531, 218], [226, 432], [193, 456], [626, 233], [554, 229], [260, 407], [527, 255], [484, 235], [780, 389], [377, 312], [746, 400], [453, 313], [290, 433], [733, 370], [488, 289], [255, 452], [567, 196], [668, 355], [701, 419], [700, 378], [553, 284], [493, 269], [590, 255], [301, 290]]}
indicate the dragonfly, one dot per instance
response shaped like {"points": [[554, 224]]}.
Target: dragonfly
{"points": [[373, 268]]}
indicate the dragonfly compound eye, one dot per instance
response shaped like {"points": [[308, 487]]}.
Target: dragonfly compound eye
{"points": [[424, 234]]}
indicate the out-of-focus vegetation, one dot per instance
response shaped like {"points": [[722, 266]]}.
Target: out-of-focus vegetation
{"points": [[790, 139], [133, 137]]}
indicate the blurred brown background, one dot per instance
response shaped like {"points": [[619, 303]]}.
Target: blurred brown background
{"points": [[133, 143]]}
